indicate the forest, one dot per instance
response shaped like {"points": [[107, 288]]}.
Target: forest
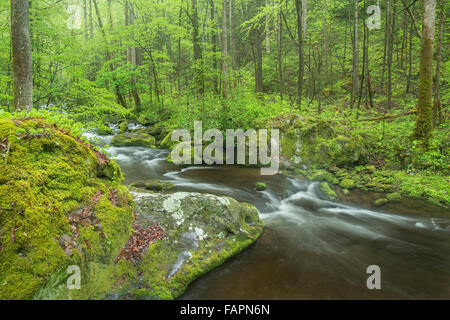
{"points": [[91, 91]]}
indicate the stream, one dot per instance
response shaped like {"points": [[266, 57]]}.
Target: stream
{"points": [[310, 248]]}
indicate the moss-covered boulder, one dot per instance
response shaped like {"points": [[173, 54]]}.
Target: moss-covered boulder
{"points": [[154, 185], [327, 193], [167, 142], [134, 139], [201, 232], [260, 186], [104, 130], [123, 127], [61, 204], [320, 143]]}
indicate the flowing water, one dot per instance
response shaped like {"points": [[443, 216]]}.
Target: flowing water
{"points": [[310, 248]]}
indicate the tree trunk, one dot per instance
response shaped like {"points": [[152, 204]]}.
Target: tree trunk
{"points": [[119, 95], [257, 34], [224, 50], [198, 60], [22, 61], [424, 119], [279, 47], [437, 84], [355, 76], [325, 40], [299, 5], [391, 32]]}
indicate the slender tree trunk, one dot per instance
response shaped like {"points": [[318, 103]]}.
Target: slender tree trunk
{"points": [[355, 77], [279, 47], [437, 84], [232, 44], [86, 31], [119, 95], [198, 60], [300, 25], [257, 35], [267, 31], [91, 24], [224, 50], [408, 82], [424, 119], [22, 61], [325, 40], [389, 57], [134, 91]]}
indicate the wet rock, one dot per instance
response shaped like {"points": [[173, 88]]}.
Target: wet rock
{"points": [[123, 127], [167, 142], [154, 185], [202, 231], [394, 196], [380, 202], [347, 184], [134, 139], [326, 192], [260, 186]]}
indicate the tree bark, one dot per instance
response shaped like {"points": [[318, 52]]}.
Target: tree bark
{"points": [[437, 84], [355, 76], [224, 50], [22, 61], [299, 5], [424, 119]]}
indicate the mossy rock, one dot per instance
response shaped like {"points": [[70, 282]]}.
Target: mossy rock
{"points": [[321, 143], [134, 139], [202, 231], [61, 204], [104, 131], [327, 192], [380, 202], [123, 127], [154, 185], [322, 175], [347, 184], [394, 196], [260, 186], [167, 142]]}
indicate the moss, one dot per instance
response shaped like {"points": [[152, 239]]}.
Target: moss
{"points": [[167, 142], [322, 175], [46, 177], [123, 127], [221, 227], [327, 192], [347, 184], [129, 139], [153, 185], [104, 130], [380, 202], [394, 196], [260, 186]]}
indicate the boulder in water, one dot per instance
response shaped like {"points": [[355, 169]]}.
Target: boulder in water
{"points": [[134, 139]]}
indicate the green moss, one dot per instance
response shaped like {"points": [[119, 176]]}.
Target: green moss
{"points": [[260, 186], [129, 139], [104, 130], [380, 202], [46, 177], [347, 184], [167, 142], [327, 192], [123, 127], [153, 185], [394, 196]]}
